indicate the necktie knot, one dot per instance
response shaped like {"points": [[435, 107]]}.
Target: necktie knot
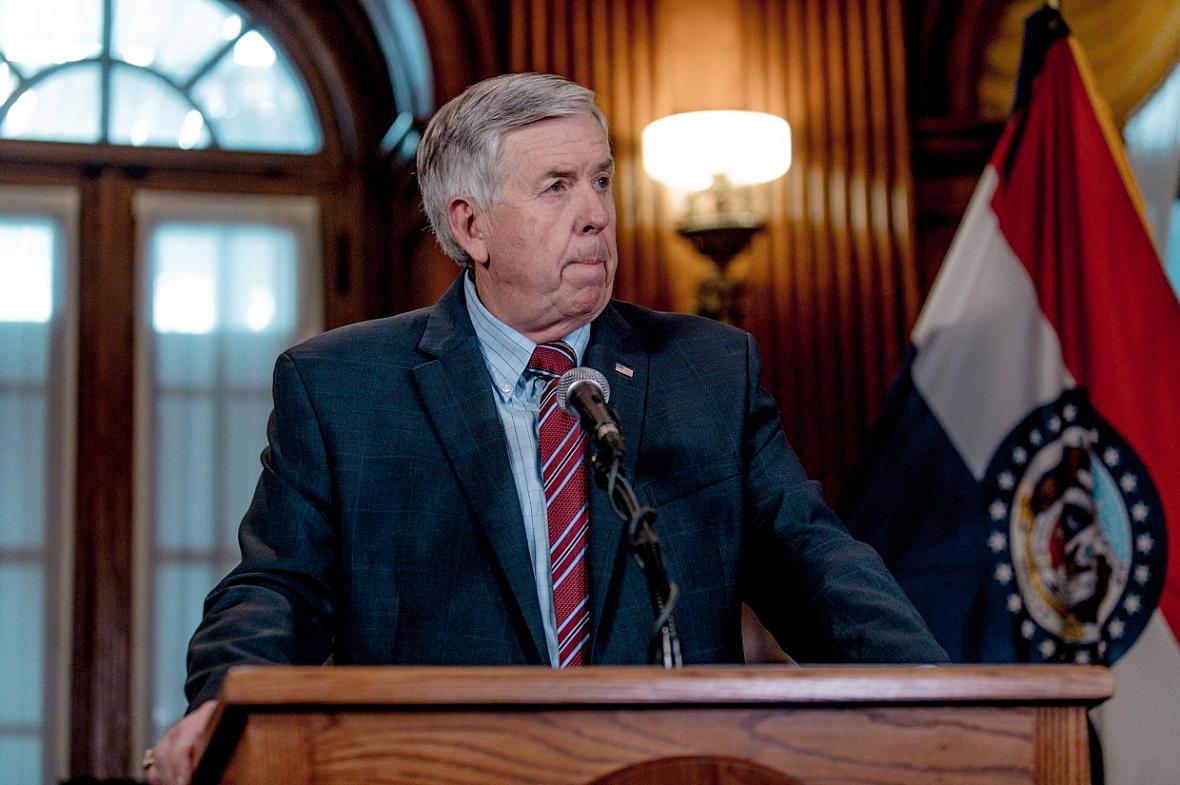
{"points": [[552, 359]]}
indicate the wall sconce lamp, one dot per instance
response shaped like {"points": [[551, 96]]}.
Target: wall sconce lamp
{"points": [[715, 156]]}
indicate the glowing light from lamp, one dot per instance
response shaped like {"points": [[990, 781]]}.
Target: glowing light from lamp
{"points": [[686, 150]]}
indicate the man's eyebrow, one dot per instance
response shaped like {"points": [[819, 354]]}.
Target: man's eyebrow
{"points": [[562, 172]]}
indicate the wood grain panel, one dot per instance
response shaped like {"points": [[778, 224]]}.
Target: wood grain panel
{"points": [[832, 296], [494, 726], [1061, 753], [917, 746], [101, 663]]}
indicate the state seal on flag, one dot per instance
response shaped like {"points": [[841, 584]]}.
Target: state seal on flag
{"points": [[1077, 534]]}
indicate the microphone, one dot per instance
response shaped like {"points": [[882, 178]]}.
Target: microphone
{"points": [[583, 392]]}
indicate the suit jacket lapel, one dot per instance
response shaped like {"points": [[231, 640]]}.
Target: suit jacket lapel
{"points": [[455, 389], [612, 351]]}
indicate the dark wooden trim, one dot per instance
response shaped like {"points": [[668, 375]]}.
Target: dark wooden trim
{"points": [[945, 43], [624, 685], [102, 647], [461, 38], [312, 169]]}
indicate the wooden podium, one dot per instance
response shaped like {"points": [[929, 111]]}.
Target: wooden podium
{"points": [[625, 726]]}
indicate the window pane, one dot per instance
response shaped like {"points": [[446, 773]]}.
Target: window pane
{"points": [[63, 108], [22, 593], [8, 81], [23, 463], [186, 452], [149, 111], [34, 35], [180, 593], [26, 269], [174, 37], [261, 294], [256, 101], [184, 361], [24, 353], [245, 426], [239, 277], [185, 279], [20, 760]]}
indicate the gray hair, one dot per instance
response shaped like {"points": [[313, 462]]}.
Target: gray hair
{"points": [[460, 150]]}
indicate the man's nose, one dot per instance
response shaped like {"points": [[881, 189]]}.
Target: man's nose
{"points": [[594, 212]]}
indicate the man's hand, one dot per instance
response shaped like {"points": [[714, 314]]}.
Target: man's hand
{"points": [[173, 760]]}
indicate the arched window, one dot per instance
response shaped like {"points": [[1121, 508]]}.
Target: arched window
{"points": [[163, 73], [183, 194]]}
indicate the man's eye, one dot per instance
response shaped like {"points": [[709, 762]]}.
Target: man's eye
{"points": [[556, 186], [603, 181]]}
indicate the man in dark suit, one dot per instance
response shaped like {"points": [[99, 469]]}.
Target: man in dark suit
{"points": [[408, 509]]}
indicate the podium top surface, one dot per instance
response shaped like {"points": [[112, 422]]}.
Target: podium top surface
{"points": [[403, 686]]}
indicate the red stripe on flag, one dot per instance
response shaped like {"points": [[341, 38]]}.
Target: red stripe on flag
{"points": [[1063, 205]]}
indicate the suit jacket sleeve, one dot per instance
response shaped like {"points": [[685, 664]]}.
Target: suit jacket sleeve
{"points": [[825, 596], [277, 605]]}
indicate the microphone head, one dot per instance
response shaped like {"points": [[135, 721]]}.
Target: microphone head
{"points": [[580, 376]]}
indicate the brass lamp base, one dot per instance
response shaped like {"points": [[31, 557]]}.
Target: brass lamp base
{"points": [[720, 237]]}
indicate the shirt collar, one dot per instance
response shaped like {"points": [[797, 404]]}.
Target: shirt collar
{"points": [[506, 351]]}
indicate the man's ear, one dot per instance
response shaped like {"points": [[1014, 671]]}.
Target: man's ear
{"points": [[462, 218]]}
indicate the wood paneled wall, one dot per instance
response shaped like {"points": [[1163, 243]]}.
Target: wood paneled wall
{"points": [[832, 285]]}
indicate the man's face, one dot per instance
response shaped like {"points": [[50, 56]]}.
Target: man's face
{"points": [[545, 252]]}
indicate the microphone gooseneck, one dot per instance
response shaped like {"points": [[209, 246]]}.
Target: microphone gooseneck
{"points": [[583, 393]]}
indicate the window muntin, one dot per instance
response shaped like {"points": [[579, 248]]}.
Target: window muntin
{"points": [[167, 73]]}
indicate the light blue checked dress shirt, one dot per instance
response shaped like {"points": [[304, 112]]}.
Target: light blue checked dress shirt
{"points": [[518, 399]]}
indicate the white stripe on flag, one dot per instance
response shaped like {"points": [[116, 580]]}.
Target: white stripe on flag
{"points": [[982, 324]]}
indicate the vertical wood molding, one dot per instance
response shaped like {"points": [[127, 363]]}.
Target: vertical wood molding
{"points": [[102, 649], [832, 284], [1060, 746]]}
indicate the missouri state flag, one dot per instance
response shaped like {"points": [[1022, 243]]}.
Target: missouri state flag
{"points": [[1023, 482]]}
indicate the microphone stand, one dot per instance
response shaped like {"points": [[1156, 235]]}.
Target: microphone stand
{"points": [[664, 648]]}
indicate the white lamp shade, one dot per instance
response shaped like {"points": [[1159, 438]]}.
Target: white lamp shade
{"points": [[686, 150]]}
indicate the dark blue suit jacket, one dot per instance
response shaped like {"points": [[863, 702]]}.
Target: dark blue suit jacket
{"points": [[386, 529]]}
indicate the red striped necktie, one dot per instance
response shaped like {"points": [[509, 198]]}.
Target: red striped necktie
{"points": [[562, 446]]}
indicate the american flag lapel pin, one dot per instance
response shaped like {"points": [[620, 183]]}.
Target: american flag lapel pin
{"points": [[620, 368]]}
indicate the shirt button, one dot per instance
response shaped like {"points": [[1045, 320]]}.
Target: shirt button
{"points": [[507, 388]]}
